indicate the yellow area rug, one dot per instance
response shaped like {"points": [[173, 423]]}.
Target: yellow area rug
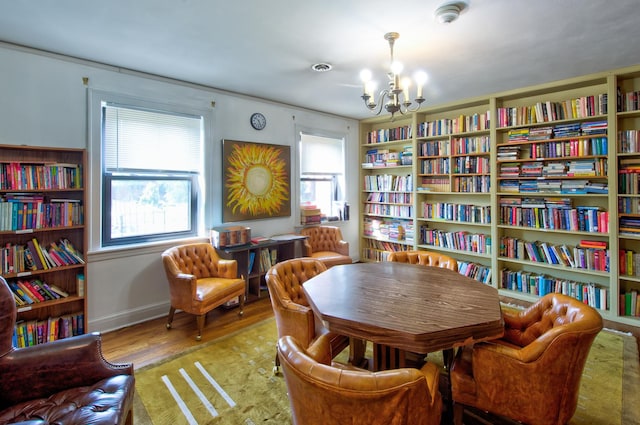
{"points": [[230, 381]]}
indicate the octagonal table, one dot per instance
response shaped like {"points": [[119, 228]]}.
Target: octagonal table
{"points": [[405, 308]]}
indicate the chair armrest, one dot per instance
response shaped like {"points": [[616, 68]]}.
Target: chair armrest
{"points": [[432, 375], [228, 268], [45, 369], [342, 247], [306, 248], [296, 320]]}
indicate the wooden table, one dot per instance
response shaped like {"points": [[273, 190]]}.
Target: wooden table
{"points": [[404, 308]]}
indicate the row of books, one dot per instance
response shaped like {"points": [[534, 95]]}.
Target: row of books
{"points": [[550, 216], [471, 165], [393, 198], [16, 258], [596, 167], [18, 176], [435, 166], [21, 212], [434, 148], [475, 271], [629, 101], [553, 186], [27, 292], [548, 111], [460, 124], [389, 134], [390, 210], [472, 184], [378, 250], [388, 228], [628, 141], [459, 241], [34, 332], [629, 303], [582, 256], [468, 145], [629, 262], [456, 212], [388, 182], [540, 285]]}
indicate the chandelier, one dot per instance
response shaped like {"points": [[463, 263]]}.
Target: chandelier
{"points": [[396, 97]]}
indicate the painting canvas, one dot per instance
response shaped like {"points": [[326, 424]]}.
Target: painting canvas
{"points": [[256, 180]]}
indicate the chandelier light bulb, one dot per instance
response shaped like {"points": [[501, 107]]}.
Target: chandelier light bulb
{"points": [[421, 79], [396, 67], [365, 75]]}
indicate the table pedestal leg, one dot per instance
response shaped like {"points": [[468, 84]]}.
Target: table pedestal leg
{"points": [[385, 357]]}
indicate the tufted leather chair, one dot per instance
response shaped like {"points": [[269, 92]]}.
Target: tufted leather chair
{"points": [[322, 392], [533, 373], [290, 306], [424, 258], [199, 281], [325, 243], [67, 381]]}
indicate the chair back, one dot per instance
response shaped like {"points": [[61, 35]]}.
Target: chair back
{"points": [[290, 306], [538, 362], [322, 394], [424, 258], [323, 238], [197, 259]]}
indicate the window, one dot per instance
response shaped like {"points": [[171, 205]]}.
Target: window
{"points": [[322, 175], [151, 167]]}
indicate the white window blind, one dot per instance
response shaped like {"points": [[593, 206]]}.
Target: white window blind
{"points": [[138, 139], [321, 155]]}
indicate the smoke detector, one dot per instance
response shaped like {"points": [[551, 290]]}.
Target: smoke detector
{"points": [[449, 12]]}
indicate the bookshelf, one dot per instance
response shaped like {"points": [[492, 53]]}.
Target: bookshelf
{"points": [[43, 239], [531, 190], [387, 196]]}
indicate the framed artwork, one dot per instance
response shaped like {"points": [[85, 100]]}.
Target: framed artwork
{"points": [[256, 180]]}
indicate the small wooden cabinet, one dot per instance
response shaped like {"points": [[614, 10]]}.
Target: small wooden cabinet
{"points": [[255, 259]]}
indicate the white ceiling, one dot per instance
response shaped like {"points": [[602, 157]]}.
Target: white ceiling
{"points": [[266, 48]]}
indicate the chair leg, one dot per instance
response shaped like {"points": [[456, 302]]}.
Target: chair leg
{"points": [[276, 368], [241, 312], [172, 311], [200, 322]]}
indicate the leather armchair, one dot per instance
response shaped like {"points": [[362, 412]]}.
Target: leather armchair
{"points": [[323, 392], [325, 243], [293, 315], [199, 281], [424, 258], [67, 381], [533, 373]]}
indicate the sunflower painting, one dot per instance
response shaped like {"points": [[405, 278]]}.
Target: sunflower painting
{"points": [[256, 181]]}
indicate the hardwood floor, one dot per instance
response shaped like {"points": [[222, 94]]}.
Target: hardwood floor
{"points": [[149, 342]]}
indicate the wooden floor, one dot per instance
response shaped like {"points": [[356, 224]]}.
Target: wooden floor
{"points": [[149, 342]]}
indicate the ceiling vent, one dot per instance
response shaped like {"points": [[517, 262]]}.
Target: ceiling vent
{"points": [[321, 67], [449, 12]]}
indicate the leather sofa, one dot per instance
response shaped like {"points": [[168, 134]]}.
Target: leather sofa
{"points": [[67, 381], [325, 243]]}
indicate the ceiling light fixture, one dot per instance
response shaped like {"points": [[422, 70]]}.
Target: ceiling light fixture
{"points": [[396, 97]]}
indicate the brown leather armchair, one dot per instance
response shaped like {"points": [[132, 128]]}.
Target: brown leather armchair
{"points": [[67, 381], [290, 306], [199, 281], [325, 393], [533, 373], [325, 243], [424, 258]]}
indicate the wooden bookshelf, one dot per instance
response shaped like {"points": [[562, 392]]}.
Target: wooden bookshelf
{"points": [[43, 239], [531, 190]]}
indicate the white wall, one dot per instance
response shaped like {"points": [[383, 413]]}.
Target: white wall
{"points": [[44, 103]]}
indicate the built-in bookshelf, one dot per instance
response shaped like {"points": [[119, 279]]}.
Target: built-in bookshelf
{"points": [[534, 190], [43, 239]]}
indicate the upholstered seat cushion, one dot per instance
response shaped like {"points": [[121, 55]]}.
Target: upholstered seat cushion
{"points": [[106, 402], [330, 258]]}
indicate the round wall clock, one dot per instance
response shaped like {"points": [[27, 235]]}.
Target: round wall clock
{"points": [[258, 121]]}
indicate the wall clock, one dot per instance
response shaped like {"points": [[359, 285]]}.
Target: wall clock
{"points": [[258, 121]]}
